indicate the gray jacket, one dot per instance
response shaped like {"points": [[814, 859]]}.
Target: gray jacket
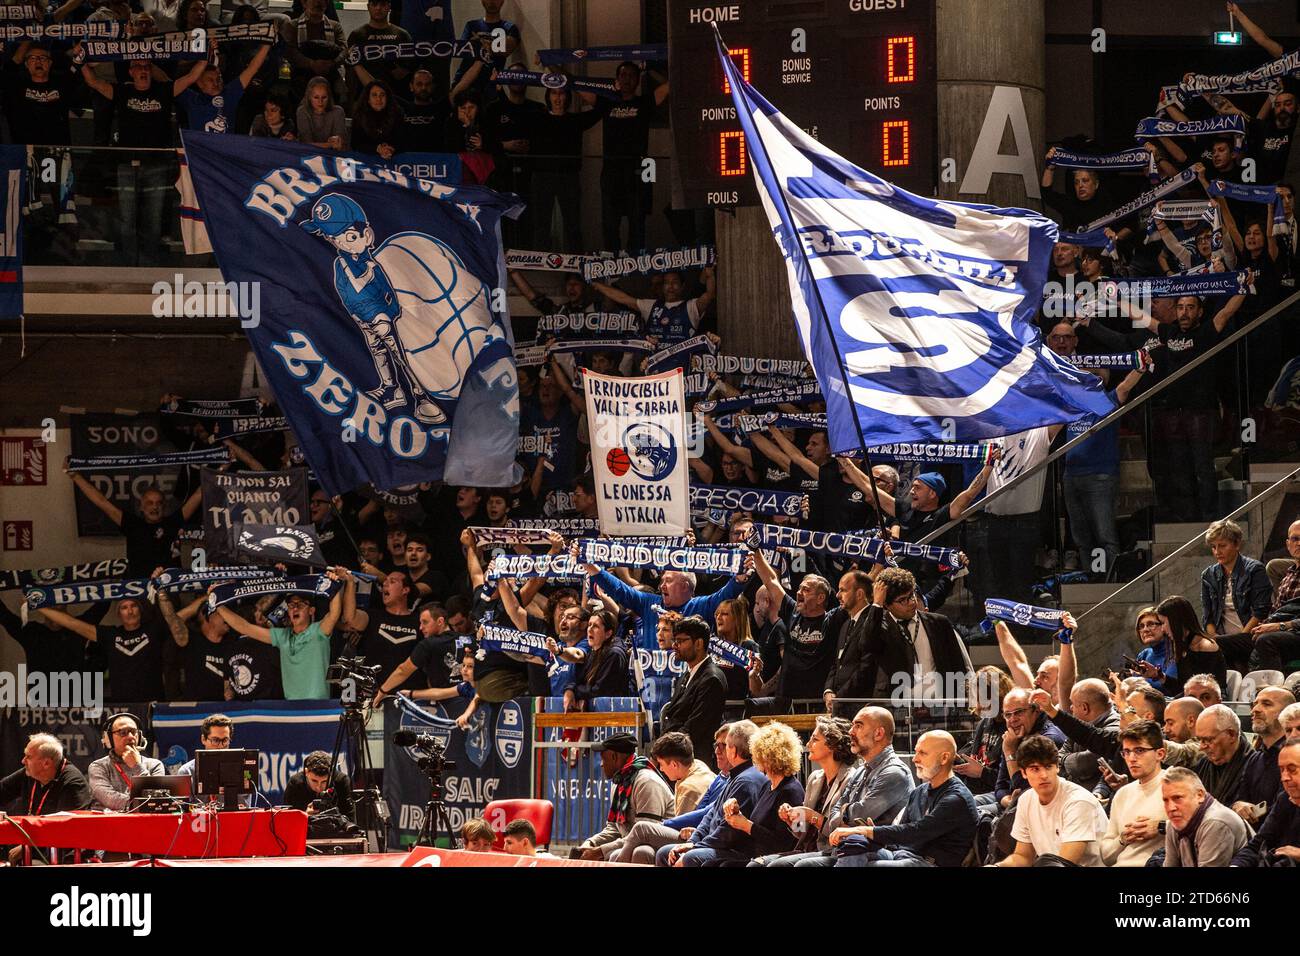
{"points": [[876, 791], [651, 800], [1221, 834]]}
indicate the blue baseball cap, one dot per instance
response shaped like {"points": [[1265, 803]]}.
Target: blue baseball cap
{"points": [[334, 215], [935, 481]]}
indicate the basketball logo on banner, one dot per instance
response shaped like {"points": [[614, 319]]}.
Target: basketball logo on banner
{"points": [[638, 429]]}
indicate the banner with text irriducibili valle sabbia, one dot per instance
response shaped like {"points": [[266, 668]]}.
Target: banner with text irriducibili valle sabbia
{"points": [[638, 453]]}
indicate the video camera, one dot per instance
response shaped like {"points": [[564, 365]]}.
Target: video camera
{"points": [[433, 753], [364, 679]]}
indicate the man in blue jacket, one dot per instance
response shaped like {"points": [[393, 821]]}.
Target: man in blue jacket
{"points": [[676, 593], [745, 784]]}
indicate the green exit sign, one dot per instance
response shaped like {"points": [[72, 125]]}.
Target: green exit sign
{"points": [[1227, 38]]}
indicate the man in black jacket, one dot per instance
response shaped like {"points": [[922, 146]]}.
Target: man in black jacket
{"points": [[853, 673], [930, 651], [48, 782], [699, 695], [1280, 834], [317, 780]]}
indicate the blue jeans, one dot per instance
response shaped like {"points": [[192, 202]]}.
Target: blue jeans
{"points": [[882, 858], [142, 187], [1090, 503]]}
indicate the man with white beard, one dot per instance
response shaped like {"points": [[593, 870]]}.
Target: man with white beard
{"points": [[937, 827]]}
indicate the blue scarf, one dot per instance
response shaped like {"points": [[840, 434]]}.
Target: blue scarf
{"points": [[1153, 127], [1287, 65], [544, 261], [177, 45], [178, 579], [91, 572], [672, 356], [85, 593], [642, 52], [219, 455], [744, 365], [758, 500], [1265, 195], [727, 653], [1140, 359], [56, 31], [508, 640], [851, 545], [606, 89], [640, 346], [702, 558], [1171, 287], [1026, 615], [1126, 159], [980, 452], [237, 427], [1157, 192], [1096, 239], [553, 567], [209, 408], [563, 325], [758, 423], [418, 50], [309, 585], [647, 263], [568, 527], [802, 394]]}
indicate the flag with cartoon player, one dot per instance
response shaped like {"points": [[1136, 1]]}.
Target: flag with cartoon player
{"points": [[381, 328]]}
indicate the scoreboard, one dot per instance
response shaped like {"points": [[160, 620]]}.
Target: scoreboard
{"points": [[856, 75]]}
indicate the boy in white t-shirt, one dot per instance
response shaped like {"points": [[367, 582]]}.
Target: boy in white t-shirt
{"points": [[1059, 818]]}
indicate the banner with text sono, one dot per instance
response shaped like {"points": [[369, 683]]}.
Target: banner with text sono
{"points": [[97, 434]]}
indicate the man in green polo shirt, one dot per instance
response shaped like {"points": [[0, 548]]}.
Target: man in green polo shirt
{"points": [[304, 645]]}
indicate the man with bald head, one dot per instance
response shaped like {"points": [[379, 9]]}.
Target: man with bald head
{"points": [[1224, 754], [1090, 706], [1024, 719], [875, 790], [938, 824], [1261, 780], [1180, 732]]}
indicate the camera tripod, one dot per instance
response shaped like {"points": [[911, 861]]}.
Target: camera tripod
{"points": [[372, 813], [435, 813]]}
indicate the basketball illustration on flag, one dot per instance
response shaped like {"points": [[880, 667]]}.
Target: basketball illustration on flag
{"points": [[618, 462]]}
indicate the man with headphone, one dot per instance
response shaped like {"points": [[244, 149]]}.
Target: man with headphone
{"points": [[111, 775]]}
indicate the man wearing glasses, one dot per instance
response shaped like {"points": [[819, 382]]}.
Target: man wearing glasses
{"points": [[699, 695], [1224, 754], [110, 776], [1023, 720], [215, 733], [1137, 811]]}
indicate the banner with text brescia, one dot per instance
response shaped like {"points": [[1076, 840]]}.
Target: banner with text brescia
{"points": [[638, 453]]}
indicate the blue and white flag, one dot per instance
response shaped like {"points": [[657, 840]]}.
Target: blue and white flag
{"points": [[509, 641], [85, 593], [931, 304], [384, 335], [13, 183]]}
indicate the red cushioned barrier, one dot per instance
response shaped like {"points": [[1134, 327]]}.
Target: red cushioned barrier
{"points": [[419, 857], [237, 834]]}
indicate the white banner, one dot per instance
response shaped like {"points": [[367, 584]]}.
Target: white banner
{"points": [[638, 453]]}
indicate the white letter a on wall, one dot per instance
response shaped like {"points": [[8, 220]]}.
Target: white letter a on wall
{"points": [[1006, 104]]}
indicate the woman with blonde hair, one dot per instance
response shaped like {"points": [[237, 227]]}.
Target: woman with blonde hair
{"points": [[775, 751], [1157, 661], [321, 123], [731, 624]]}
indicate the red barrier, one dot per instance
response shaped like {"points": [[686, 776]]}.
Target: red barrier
{"points": [[238, 834], [418, 857]]}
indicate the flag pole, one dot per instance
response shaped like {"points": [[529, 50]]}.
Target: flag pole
{"points": [[735, 81]]}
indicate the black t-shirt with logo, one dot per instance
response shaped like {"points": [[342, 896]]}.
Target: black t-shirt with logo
{"points": [[422, 125], [253, 669], [1181, 348], [809, 650], [388, 641], [150, 546], [205, 666], [135, 662], [1270, 147], [839, 505], [38, 112], [627, 126], [436, 657], [144, 117]]}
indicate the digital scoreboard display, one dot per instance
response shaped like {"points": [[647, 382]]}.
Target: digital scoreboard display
{"points": [[857, 75]]}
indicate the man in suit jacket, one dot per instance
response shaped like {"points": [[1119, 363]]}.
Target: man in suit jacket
{"points": [[852, 673], [699, 695], [930, 649]]}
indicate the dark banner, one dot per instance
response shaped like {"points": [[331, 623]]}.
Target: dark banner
{"points": [[282, 731], [78, 729], [493, 761], [97, 434], [249, 498]]}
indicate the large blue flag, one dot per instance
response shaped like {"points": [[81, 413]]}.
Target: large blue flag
{"points": [[376, 320], [916, 314], [428, 20], [13, 178]]}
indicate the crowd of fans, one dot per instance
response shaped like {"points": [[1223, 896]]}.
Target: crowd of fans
{"points": [[1144, 765], [306, 88]]}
